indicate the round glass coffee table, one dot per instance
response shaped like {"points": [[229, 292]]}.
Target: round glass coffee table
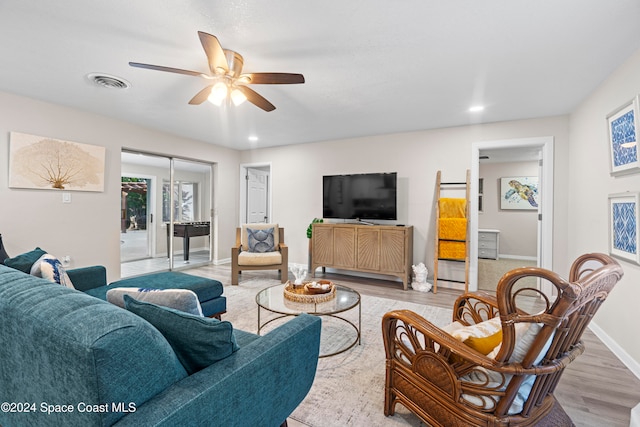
{"points": [[272, 299]]}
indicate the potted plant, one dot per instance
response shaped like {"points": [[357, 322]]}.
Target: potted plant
{"points": [[309, 233]]}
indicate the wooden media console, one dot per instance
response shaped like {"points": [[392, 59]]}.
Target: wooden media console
{"points": [[379, 249]]}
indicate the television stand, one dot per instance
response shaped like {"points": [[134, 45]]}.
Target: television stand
{"points": [[378, 249]]}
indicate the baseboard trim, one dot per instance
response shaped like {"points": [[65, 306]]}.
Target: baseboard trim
{"points": [[618, 351], [520, 257]]}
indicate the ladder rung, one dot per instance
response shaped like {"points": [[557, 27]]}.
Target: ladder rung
{"points": [[449, 280]]}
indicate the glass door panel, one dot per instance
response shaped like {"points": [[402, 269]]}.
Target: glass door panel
{"points": [[142, 236], [188, 201]]}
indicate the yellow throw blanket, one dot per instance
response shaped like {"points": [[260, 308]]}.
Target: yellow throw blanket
{"points": [[453, 228], [452, 208], [452, 250]]}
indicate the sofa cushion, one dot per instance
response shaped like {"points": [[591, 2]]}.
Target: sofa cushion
{"points": [[197, 341], [23, 262], [179, 299], [206, 289], [260, 241], [49, 267]]}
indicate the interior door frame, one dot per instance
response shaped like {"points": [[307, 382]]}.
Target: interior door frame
{"points": [[545, 236], [242, 217]]}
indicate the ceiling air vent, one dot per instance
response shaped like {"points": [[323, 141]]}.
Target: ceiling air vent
{"points": [[110, 82]]}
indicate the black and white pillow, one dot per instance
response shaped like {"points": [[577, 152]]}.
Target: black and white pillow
{"points": [[261, 240], [49, 267]]}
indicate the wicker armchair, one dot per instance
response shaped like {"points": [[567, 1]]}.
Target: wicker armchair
{"points": [[447, 383]]}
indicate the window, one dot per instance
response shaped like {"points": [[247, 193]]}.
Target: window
{"points": [[185, 206]]}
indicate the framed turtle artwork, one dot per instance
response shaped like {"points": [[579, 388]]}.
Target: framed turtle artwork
{"points": [[519, 192]]}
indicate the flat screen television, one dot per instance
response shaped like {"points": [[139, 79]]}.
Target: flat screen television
{"points": [[360, 196]]}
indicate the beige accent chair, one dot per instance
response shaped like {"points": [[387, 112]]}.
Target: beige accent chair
{"points": [[243, 259], [447, 382]]}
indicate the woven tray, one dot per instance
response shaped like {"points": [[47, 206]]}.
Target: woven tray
{"points": [[300, 293]]}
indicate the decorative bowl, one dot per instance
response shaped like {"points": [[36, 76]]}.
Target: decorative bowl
{"points": [[319, 287]]}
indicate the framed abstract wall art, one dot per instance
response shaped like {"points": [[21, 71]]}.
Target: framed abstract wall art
{"points": [[520, 192], [623, 136], [39, 162], [623, 226]]}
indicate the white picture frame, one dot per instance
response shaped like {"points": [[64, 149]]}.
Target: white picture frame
{"points": [[519, 192], [624, 235], [622, 131], [38, 162]]}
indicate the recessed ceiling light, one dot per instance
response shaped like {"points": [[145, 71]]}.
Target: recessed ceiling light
{"points": [[476, 108], [253, 138]]}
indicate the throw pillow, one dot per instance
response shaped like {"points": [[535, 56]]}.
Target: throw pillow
{"points": [[49, 267], [197, 341], [180, 299], [23, 262], [482, 337], [261, 241]]}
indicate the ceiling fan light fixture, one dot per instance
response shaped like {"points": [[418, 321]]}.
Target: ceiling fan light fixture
{"points": [[218, 93], [237, 97]]}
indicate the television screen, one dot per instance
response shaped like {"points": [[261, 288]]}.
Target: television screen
{"points": [[360, 196]]}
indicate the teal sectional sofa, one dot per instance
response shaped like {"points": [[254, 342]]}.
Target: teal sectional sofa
{"points": [[69, 359]]}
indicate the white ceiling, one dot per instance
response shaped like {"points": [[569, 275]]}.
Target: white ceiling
{"points": [[371, 67]]}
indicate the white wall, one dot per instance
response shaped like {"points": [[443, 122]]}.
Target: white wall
{"points": [[518, 228], [88, 229], [416, 156], [589, 186]]}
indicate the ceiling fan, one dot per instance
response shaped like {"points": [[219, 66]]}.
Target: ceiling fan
{"points": [[226, 75]]}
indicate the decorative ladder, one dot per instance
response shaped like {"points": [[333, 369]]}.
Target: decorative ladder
{"points": [[444, 241]]}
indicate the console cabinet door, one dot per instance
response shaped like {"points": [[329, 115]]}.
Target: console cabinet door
{"points": [[322, 245], [392, 251], [368, 248], [344, 241]]}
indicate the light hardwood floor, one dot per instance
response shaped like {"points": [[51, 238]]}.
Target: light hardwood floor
{"points": [[596, 389]]}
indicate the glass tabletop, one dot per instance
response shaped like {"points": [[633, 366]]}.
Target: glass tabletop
{"points": [[272, 299]]}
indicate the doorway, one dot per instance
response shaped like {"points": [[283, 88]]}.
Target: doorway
{"points": [[255, 194], [537, 150]]}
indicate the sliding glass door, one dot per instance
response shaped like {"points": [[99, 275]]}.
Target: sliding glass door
{"points": [[165, 213]]}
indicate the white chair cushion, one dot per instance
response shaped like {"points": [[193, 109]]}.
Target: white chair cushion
{"points": [[257, 258]]}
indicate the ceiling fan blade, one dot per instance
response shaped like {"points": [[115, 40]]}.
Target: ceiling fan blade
{"points": [[272, 78], [215, 54], [256, 99], [201, 96], [167, 69]]}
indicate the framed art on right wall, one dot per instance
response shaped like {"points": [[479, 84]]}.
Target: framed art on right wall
{"points": [[623, 226], [623, 128]]}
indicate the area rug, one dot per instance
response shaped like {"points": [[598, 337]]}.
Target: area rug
{"points": [[349, 388]]}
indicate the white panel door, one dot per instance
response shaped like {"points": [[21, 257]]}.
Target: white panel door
{"points": [[257, 190]]}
